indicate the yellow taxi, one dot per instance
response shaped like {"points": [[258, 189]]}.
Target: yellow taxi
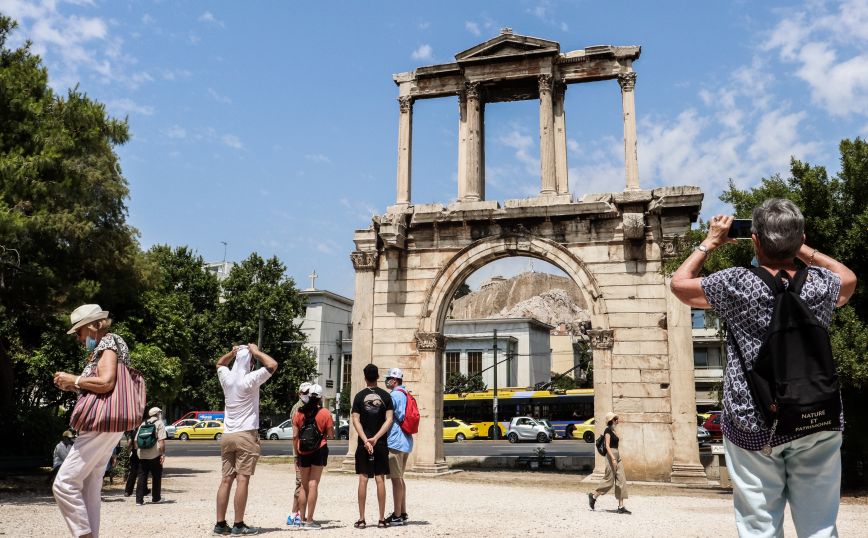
{"points": [[205, 429], [458, 430], [583, 430]]}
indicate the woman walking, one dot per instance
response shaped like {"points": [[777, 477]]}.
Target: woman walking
{"points": [[79, 480], [312, 426], [614, 476]]}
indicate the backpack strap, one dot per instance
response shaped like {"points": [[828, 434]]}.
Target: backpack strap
{"points": [[798, 280], [773, 282]]}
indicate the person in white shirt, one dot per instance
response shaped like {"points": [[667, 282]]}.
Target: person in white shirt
{"points": [[239, 446]]}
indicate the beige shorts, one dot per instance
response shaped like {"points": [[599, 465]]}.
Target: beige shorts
{"points": [[240, 452], [397, 463]]}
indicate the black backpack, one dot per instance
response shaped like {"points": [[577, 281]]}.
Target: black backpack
{"points": [[601, 444], [793, 382], [309, 437]]}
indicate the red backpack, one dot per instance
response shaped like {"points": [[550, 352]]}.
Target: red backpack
{"points": [[411, 415]]}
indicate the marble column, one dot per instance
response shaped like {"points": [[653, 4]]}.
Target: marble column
{"points": [[547, 137], [474, 152], [405, 149], [602, 342], [462, 145], [560, 123], [427, 455], [627, 81], [686, 467], [365, 263]]}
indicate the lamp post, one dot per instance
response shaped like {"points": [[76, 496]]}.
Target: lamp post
{"points": [[494, 398]]}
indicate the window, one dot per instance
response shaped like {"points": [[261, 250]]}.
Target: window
{"points": [[474, 362], [453, 363], [450, 424], [700, 357], [346, 376], [697, 318]]}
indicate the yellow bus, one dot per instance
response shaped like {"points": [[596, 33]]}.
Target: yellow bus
{"points": [[565, 409]]}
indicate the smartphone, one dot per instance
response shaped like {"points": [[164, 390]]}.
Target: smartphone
{"points": [[740, 229]]}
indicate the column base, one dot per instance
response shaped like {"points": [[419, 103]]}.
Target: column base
{"points": [[688, 473], [348, 464], [435, 468]]}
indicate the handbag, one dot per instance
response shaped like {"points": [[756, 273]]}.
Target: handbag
{"points": [[117, 411]]}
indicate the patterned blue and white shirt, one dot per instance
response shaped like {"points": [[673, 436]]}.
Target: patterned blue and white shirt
{"points": [[745, 303]]}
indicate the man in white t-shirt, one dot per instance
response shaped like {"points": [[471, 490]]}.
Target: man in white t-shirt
{"points": [[239, 446]]}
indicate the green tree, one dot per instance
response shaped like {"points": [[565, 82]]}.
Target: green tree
{"points": [[259, 288], [63, 229], [162, 374], [458, 383]]}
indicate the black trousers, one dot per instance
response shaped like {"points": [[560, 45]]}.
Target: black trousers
{"points": [[132, 473], [156, 469]]}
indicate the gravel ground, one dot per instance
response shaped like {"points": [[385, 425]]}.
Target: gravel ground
{"points": [[484, 503]]}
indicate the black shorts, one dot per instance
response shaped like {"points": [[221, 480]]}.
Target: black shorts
{"points": [[380, 465], [319, 458]]}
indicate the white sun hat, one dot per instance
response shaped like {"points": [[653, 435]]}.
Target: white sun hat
{"points": [[84, 314]]}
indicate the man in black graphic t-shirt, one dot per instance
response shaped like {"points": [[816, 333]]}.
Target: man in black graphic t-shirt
{"points": [[372, 418]]}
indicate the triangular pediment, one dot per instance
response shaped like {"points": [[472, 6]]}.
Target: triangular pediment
{"points": [[508, 45]]}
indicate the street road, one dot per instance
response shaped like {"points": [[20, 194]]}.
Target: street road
{"points": [[467, 448]]}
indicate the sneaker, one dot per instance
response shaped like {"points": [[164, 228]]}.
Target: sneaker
{"points": [[222, 529], [297, 520], [240, 529], [404, 518], [290, 519], [623, 510], [395, 519], [592, 500], [312, 526], [139, 504], [158, 501]]}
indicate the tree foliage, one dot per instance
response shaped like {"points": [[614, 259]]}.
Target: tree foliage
{"points": [[458, 383]]}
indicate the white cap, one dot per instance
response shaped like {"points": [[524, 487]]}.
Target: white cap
{"points": [[315, 390], [154, 411], [304, 387], [395, 373]]}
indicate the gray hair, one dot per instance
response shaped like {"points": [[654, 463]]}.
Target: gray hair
{"points": [[779, 226]]}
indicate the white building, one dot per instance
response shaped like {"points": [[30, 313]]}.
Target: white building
{"points": [[328, 326], [709, 358], [525, 341], [221, 269]]}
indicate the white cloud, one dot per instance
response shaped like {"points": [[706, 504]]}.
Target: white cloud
{"points": [[525, 149], [128, 106], [209, 18], [175, 74], [176, 131], [148, 19], [424, 52], [226, 100], [473, 28], [318, 158], [232, 141]]}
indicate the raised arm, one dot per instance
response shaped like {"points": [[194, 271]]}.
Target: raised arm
{"points": [[227, 358], [812, 256], [266, 360], [686, 284]]}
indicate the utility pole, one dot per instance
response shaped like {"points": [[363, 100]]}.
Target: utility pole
{"points": [[494, 399], [338, 387]]}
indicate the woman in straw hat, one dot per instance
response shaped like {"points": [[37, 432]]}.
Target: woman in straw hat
{"points": [[79, 480], [614, 470]]}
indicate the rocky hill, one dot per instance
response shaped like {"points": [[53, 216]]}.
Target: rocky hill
{"points": [[549, 298]]}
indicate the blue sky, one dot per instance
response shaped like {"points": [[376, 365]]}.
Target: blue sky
{"points": [[273, 125]]}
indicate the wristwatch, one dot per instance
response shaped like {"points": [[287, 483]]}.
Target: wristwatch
{"points": [[77, 386], [703, 249]]}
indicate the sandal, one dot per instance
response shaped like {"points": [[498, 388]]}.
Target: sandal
{"points": [[383, 524], [360, 524]]}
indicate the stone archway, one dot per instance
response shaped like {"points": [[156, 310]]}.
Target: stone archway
{"points": [[410, 260]]}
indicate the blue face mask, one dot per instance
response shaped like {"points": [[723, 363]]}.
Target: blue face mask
{"points": [[754, 262], [90, 343]]}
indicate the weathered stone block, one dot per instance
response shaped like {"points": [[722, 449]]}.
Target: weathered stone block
{"points": [[641, 347], [638, 390]]}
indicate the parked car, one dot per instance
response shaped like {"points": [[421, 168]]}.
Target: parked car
{"points": [[170, 429], [343, 430], [712, 424], [584, 430], [458, 430], [702, 435], [206, 429], [281, 431], [527, 429]]}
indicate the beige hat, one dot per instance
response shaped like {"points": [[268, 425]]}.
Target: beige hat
{"points": [[154, 411], [68, 434], [610, 416], [84, 314]]}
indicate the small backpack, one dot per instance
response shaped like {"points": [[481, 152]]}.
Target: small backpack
{"points": [[793, 382], [411, 415], [147, 435], [601, 444], [309, 437]]}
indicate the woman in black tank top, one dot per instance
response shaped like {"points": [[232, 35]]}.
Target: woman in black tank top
{"points": [[614, 476]]}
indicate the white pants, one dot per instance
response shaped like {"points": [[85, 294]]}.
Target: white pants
{"points": [[805, 472], [78, 483]]}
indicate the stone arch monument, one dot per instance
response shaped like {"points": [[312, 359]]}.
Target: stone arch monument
{"points": [[410, 260]]}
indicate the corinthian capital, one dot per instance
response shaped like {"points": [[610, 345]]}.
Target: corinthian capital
{"points": [[406, 103], [364, 261], [472, 90], [430, 341], [545, 83], [627, 81], [602, 338]]}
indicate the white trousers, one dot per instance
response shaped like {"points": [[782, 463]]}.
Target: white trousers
{"points": [[78, 483], [805, 472]]}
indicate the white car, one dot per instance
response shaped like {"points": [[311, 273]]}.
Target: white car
{"points": [[282, 431], [170, 429]]}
